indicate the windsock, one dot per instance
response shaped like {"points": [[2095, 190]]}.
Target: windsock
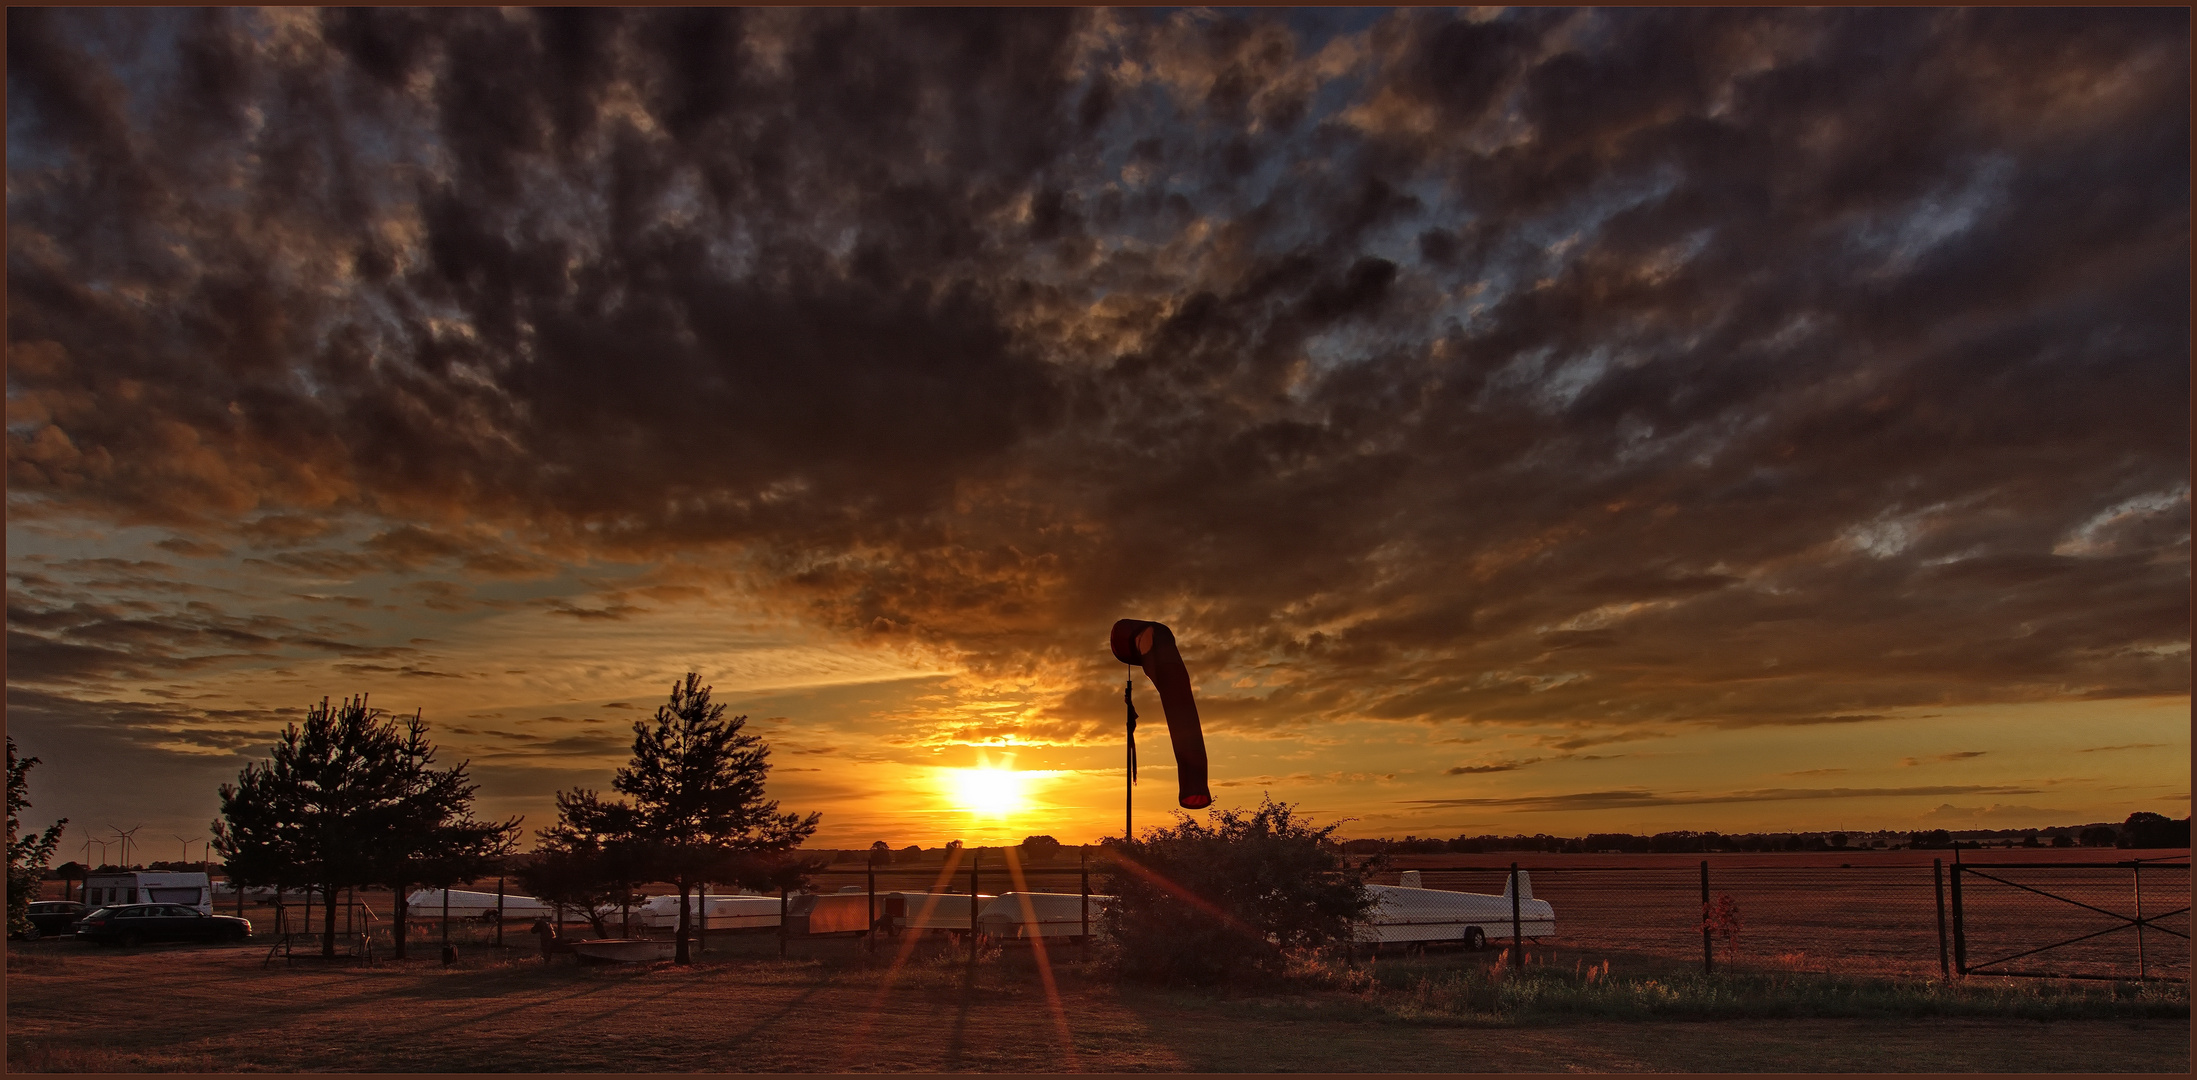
{"points": [[1151, 646]]}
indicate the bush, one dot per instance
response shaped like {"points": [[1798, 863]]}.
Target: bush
{"points": [[1228, 898]]}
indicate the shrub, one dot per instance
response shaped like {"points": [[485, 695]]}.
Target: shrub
{"points": [[1229, 897]]}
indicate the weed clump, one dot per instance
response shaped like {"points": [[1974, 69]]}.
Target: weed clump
{"points": [[1504, 991]]}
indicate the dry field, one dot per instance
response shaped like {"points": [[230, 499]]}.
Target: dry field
{"points": [[218, 1009], [1848, 912]]}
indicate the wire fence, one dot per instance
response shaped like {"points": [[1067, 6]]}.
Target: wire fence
{"points": [[2124, 919]]}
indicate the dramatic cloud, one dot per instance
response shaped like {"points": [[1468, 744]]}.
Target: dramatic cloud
{"points": [[1618, 372]]}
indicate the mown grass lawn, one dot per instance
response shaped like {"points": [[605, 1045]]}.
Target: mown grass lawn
{"points": [[833, 1008]]}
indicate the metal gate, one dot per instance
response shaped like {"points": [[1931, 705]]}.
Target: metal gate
{"points": [[2090, 920]]}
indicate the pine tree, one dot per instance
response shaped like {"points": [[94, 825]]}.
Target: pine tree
{"points": [[351, 798], [695, 786]]}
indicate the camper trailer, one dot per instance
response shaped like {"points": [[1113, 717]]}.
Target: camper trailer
{"points": [[1020, 916], [1407, 913], [191, 890]]}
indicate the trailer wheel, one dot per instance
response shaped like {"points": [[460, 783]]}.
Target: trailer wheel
{"points": [[1476, 939]]}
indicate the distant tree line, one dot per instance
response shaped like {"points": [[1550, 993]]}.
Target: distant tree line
{"points": [[2142, 830]]}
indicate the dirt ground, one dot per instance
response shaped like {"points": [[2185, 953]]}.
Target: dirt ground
{"points": [[73, 1007]]}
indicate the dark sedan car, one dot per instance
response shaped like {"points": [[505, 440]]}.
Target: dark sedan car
{"points": [[132, 924], [53, 918]]}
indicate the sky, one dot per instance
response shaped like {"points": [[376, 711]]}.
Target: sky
{"points": [[1527, 421]]}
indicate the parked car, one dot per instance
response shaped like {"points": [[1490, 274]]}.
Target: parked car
{"points": [[53, 918], [133, 924]]}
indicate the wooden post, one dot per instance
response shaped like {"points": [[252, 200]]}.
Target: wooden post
{"points": [[783, 905], [308, 909], [499, 909], [870, 939], [1960, 919], [701, 928], [1937, 882], [1517, 929], [975, 855], [446, 917], [1708, 948], [1083, 867]]}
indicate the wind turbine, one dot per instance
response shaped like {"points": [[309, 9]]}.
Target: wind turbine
{"points": [[187, 844], [127, 835]]}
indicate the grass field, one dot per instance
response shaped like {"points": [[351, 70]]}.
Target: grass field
{"points": [[831, 1007]]}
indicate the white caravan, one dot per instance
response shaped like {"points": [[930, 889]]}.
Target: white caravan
{"points": [[1405, 912], [726, 912], [469, 904], [192, 890], [1020, 916]]}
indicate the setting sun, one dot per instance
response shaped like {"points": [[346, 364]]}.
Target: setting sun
{"points": [[989, 791]]}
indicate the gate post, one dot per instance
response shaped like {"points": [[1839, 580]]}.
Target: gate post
{"points": [[1960, 918], [2142, 972], [1937, 882]]}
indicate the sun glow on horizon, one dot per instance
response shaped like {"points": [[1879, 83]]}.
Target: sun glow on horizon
{"points": [[993, 791]]}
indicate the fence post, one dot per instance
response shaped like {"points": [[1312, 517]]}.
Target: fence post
{"points": [[1517, 932], [1937, 884], [1083, 868], [976, 855], [701, 927], [499, 905], [1708, 947], [870, 939], [782, 903], [1960, 918]]}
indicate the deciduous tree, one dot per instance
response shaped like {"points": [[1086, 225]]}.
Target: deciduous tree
{"points": [[1204, 901], [27, 854]]}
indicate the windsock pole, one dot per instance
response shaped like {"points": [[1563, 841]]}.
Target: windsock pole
{"points": [[1129, 775]]}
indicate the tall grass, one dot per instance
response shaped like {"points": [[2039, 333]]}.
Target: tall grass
{"points": [[1498, 989]]}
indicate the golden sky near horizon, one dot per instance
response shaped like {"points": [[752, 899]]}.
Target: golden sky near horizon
{"points": [[1529, 421]]}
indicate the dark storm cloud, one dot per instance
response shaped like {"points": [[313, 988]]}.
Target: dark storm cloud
{"points": [[1628, 367]]}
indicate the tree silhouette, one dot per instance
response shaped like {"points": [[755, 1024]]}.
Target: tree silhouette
{"points": [[590, 859], [27, 855]]}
